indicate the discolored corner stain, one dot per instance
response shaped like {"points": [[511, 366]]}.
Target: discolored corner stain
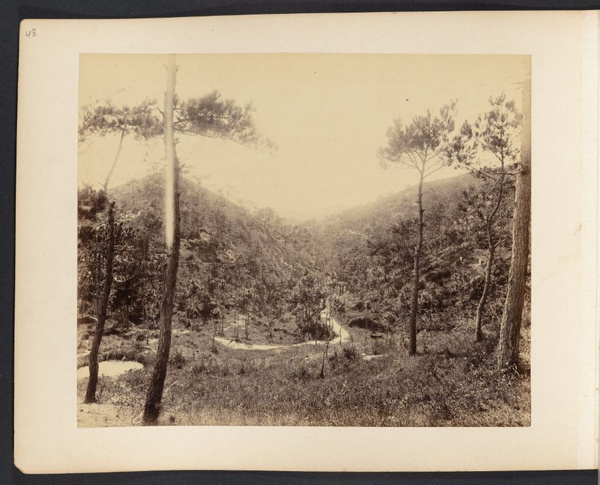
{"points": [[577, 229]]}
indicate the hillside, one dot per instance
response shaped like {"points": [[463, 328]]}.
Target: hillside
{"points": [[370, 248], [353, 231], [377, 216], [231, 260], [243, 353], [213, 225]]}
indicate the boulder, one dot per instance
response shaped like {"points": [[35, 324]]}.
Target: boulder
{"points": [[366, 323]]}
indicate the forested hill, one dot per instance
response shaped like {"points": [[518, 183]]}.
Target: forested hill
{"points": [[371, 247], [227, 252], [213, 222], [230, 255], [350, 231], [379, 215]]}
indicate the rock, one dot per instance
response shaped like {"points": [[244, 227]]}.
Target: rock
{"points": [[358, 306], [366, 323], [112, 331], [438, 275]]}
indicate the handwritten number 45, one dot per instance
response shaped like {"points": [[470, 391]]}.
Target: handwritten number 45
{"points": [[30, 33]]}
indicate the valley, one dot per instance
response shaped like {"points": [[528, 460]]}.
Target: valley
{"points": [[261, 304]]}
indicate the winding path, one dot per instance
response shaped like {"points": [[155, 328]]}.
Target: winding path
{"points": [[341, 332]]}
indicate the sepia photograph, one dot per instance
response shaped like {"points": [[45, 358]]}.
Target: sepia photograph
{"points": [[344, 243], [303, 239]]}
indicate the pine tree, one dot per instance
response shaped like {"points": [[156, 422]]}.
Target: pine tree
{"points": [[420, 145]]}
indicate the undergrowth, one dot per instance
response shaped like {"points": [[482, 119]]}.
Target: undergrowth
{"points": [[455, 382]]}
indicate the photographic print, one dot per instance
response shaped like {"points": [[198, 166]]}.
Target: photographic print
{"points": [[303, 239], [263, 242]]}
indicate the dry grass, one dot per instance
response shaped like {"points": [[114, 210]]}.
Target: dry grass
{"points": [[455, 383]]}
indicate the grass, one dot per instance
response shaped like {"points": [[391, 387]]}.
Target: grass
{"points": [[453, 383]]}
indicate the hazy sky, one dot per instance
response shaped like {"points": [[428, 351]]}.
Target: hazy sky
{"points": [[327, 113]]}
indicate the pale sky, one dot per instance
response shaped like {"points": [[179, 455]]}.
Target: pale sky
{"points": [[327, 113]]}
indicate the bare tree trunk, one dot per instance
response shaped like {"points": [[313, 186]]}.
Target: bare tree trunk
{"points": [[114, 164], [322, 374], [486, 288], [97, 279], [510, 327], [414, 307], [90, 395], [154, 396], [214, 344], [491, 252]]}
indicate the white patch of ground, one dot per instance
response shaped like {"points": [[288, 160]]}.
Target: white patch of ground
{"points": [[110, 368], [340, 331]]}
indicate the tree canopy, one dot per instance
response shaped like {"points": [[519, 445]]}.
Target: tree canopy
{"points": [[496, 132], [100, 120], [422, 143]]}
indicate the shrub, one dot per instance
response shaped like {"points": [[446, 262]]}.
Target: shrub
{"points": [[299, 372], [135, 379], [199, 367], [315, 330], [378, 347], [351, 351], [224, 371], [125, 353], [177, 359]]}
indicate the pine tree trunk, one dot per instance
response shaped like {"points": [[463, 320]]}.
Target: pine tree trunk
{"points": [[491, 252], [510, 327], [414, 307], [90, 395], [102, 304], [97, 279], [154, 396], [486, 289]]}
